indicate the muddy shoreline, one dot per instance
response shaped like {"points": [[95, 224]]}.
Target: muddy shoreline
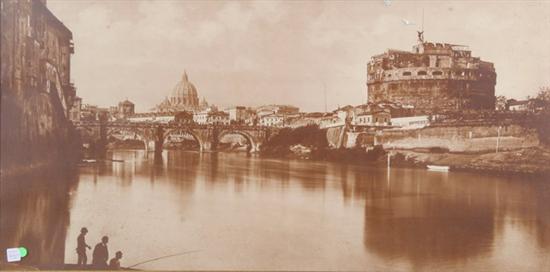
{"points": [[529, 162]]}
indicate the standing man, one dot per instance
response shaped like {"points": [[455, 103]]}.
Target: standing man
{"points": [[101, 254], [81, 247]]}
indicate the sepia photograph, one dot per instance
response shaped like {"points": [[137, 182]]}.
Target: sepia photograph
{"points": [[275, 135]]}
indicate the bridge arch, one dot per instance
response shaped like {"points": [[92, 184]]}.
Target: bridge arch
{"points": [[193, 134], [86, 133], [137, 133], [252, 141], [128, 134]]}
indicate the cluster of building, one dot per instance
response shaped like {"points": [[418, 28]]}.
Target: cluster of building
{"points": [[183, 106], [382, 115], [269, 115], [405, 89], [87, 112], [529, 105]]}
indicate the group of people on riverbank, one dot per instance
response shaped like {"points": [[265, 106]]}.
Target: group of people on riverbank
{"points": [[100, 254]]}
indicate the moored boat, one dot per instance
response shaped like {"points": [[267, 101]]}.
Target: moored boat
{"points": [[440, 168]]}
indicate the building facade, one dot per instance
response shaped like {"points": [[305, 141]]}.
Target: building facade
{"points": [[219, 118], [36, 89], [36, 52], [237, 114], [432, 77], [378, 118], [75, 111], [273, 120], [184, 117], [278, 109], [125, 109], [152, 117], [201, 117], [411, 122]]}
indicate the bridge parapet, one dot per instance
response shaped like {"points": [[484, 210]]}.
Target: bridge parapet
{"points": [[155, 134], [169, 125]]}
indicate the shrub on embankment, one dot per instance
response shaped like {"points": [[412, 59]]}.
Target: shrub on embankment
{"points": [[313, 144], [309, 136], [542, 123]]}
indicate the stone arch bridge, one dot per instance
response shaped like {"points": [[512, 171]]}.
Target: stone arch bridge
{"points": [[154, 135]]}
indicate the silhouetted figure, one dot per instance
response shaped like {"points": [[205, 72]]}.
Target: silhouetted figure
{"points": [[114, 264], [81, 247], [101, 254]]}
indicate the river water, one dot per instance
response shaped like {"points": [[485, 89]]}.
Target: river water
{"points": [[234, 211]]}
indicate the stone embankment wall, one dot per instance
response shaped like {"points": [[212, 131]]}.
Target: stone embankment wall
{"points": [[34, 133], [460, 138]]}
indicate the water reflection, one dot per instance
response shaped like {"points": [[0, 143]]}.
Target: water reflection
{"points": [[242, 212], [285, 214], [35, 214], [438, 220], [429, 219]]}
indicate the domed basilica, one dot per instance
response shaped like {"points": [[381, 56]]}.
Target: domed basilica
{"points": [[183, 97]]}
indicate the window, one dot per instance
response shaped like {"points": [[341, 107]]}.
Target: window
{"points": [[422, 73], [406, 73], [437, 73]]}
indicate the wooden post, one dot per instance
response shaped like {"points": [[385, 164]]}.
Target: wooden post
{"points": [[498, 138], [389, 168], [389, 160], [158, 136]]}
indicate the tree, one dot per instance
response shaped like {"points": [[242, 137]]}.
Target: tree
{"points": [[544, 93], [543, 98], [501, 102]]}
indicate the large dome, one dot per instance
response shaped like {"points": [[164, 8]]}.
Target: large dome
{"points": [[183, 97], [184, 89]]}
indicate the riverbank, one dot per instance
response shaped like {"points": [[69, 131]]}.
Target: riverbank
{"points": [[74, 267], [307, 143], [16, 267], [534, 161]]}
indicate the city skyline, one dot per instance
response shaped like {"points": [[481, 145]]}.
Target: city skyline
{"points": [[253, 53]]}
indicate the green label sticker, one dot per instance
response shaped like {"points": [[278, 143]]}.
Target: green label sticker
{"points": [[22, 252]]}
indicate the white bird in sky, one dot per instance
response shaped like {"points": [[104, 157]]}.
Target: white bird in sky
{"points": [[407, 22]]}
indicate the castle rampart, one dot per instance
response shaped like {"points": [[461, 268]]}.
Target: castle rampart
{"points": [[432, 77]]}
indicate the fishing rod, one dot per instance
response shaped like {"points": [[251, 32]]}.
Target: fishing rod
{"points": [[163, 257]]}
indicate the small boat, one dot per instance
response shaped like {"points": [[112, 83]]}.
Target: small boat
{"points": [[114, 160], [440, 168], [89, 161]]}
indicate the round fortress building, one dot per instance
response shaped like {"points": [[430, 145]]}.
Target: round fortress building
{"points": [[433, 77]]}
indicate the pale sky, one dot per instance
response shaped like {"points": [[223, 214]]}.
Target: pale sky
{"points": [[273, 52]]}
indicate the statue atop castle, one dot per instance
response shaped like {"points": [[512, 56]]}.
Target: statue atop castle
{"points": [[420, 36], [183, 97]]}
